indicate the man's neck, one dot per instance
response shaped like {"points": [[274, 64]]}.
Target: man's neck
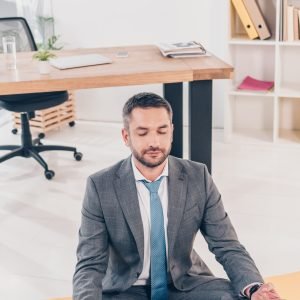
{"points": [[149, 173]]}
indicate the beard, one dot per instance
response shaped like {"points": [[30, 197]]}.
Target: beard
{"points": [[141, 157]]}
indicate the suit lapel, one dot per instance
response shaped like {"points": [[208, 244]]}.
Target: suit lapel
{"points": [[125, 188], [177, 189]]}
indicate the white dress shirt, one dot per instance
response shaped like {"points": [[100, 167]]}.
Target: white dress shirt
{"points": [[144, 203]]}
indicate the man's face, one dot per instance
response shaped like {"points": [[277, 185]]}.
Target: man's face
{"points": [[149, 136]]}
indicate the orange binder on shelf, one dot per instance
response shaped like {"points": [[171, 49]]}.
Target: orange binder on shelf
{"points": [[245, 18], [258, 19]]}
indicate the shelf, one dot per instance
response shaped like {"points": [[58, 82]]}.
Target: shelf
{"points": [[289, 120], [254, 61], [287, 136], [254, 116], [293, 44], [289, 65], [251, 136], [249, 116], [238, 32], [251, 94], [245, 41], [289, 90]]}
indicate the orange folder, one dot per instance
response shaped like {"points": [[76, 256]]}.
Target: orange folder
{"points": [[245, 18], [257, 18]]}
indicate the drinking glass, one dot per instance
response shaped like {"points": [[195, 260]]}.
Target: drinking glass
{"points": [[9, 50]]}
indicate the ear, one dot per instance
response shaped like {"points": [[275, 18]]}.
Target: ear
{"points": [[172, 131], [125, 136]]}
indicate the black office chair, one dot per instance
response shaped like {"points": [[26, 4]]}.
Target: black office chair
{"points": [[27, 104]]}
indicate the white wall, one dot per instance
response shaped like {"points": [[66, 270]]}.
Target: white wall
{"points": [[218, 28], [7, 9], [97, 23]]}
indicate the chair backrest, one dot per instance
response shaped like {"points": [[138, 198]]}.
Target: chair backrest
{"points": [[19, 28]]}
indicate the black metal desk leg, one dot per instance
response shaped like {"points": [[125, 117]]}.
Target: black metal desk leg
{"points": [[173, 92], [200, 121]]}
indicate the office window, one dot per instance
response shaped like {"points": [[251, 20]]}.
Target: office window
{"points": [[38, 13]]}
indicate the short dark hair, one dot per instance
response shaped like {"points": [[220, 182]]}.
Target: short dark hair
{"points": [[144, 100]]}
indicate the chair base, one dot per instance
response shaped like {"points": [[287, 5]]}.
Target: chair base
{"points": [[32, 148]]}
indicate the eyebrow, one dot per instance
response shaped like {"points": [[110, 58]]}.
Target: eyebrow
{"points": [[163, 126], [145, 128]]}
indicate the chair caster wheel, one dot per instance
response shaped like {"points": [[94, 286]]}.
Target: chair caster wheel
{"points": [[49, 174], [72, 124], [78, 156], [41, 135], [14, 131]]}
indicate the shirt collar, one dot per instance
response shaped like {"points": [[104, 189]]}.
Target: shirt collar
{"points": [[139, 176]]}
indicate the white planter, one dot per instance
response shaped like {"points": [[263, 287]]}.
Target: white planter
{"points": [[44, 67]]}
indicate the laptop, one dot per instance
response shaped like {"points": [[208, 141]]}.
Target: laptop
{"points": [[78, 61]]}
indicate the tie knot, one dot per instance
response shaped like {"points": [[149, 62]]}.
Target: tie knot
{"points": [[152, 186]]}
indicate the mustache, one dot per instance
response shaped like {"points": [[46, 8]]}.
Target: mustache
{"points": [[153, 149]]}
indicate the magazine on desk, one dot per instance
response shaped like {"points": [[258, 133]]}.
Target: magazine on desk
{"points": [[182, 49]]}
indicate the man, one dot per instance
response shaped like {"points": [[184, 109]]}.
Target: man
{"points": [[140, 218]]}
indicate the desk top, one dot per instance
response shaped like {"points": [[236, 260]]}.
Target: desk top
{"points": [[144, 65]]}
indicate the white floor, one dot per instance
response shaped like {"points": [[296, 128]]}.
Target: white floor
{"points": [[39, 219]]}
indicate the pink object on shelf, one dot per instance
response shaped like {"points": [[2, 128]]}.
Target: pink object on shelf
{"points": [[253, 84]]}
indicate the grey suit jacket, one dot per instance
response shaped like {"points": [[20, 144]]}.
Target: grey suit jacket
{"points": [[111, 242]]}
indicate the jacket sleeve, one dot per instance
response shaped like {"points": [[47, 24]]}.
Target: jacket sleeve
{"points": [[223, 241], [92, 251]]}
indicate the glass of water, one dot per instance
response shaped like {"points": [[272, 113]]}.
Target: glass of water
{"points": [[9, 50]]}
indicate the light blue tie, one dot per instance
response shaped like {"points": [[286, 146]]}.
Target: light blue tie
{"points": [[159, 288]]}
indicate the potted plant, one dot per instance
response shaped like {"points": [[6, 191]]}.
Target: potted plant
{"points": [[43, 57]]}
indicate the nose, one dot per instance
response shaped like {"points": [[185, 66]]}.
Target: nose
{"points": [[154, 141]]}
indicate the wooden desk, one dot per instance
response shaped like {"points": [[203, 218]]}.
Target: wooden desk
{"points": [[144, 65]]}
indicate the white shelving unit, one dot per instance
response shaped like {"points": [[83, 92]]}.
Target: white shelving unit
{"points": [[257, 116]]}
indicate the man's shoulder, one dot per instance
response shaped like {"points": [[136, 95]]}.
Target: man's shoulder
{"points": [[187, 165], [107, 172]]}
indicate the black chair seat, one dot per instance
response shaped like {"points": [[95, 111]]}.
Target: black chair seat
{"points": [[32, 102]]}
